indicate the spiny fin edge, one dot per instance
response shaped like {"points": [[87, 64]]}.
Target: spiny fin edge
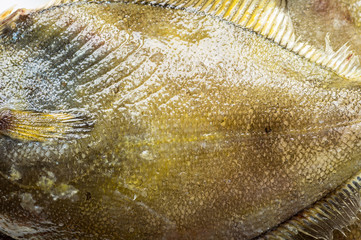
{"points": [[269, 18], [336, 211], [9, 16]]}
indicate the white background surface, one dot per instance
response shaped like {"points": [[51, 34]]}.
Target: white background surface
{"points": [[5, 4]]}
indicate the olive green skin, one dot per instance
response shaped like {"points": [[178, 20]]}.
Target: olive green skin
{"points": [[201, 129], [313, 20]]}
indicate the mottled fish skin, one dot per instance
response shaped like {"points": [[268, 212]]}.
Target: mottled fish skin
{"points": [[340, 20], [315, 19], [202, 129], [353, 8]]}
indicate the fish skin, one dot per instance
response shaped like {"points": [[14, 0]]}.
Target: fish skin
{"points": [[353, 8], [197, 139], [314, 19]]}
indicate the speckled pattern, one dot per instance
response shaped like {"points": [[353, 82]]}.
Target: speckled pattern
{"points": [[201, 129], [314, 19]]}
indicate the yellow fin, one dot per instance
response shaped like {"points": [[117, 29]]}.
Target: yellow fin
{"points": [[269, 18], [338, 210], [40, 127], [6, 13]]}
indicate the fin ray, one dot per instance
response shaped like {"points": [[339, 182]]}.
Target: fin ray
{"points": [[34, 126], [338, 210], [269, 18]]}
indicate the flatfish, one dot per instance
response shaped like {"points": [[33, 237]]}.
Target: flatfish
{"points": [[174, 120]]}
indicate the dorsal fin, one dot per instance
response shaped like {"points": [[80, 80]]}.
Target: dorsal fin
{"points": [[6, 13], [9, 16], [338, 211], [269, 18]]}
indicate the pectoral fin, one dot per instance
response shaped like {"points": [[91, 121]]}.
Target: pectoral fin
{"points": [[40, 127]]}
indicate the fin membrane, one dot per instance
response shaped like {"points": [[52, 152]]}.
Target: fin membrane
{"points": [[8, 17], [269, 18], [41, 127], [352, 232], [6, 13], [337, 211]]}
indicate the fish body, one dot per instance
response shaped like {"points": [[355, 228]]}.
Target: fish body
{"points": [[131, 121]]}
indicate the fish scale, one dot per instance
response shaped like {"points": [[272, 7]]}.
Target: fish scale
{"points": [[183, 126]]}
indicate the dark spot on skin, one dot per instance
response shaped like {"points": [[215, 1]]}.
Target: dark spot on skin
{"points": [[268, 129], [6, 117], [223, 122], [88, 196]]}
